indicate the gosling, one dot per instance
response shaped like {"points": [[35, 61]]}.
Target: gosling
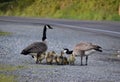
{"points": [[40, 57], [61, 60], [50, 57], [71, 59], [65, 61]]}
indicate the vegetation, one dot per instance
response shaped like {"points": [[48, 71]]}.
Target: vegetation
{"points": [[7, 78], [10, 68], [5, 75], [4, 33], [71, 9]]}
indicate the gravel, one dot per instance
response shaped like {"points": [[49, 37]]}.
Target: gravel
{"points": [[101, 67]]}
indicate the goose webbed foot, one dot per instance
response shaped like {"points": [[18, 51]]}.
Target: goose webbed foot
{"points": [[86, 64], [37, 62], [81, 64]]}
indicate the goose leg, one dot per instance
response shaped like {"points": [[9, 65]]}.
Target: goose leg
{"points": [[69, 62], [86, 60], [37, 60], [81, 60], [82, 54], [73, 63], [62, 61], [40, 62]]}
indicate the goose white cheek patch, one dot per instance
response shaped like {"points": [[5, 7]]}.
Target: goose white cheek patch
{"points": [[65, 51]]}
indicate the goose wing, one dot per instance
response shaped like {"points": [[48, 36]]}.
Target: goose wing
{"points": [[36, 47], [83, 46]]}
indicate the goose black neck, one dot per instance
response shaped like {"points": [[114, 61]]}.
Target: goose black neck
{"points": [[69, 52], [44, 33], [98, 48]]}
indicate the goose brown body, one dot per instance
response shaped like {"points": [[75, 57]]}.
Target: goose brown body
{"points": [[85, 49], [37, 47]]}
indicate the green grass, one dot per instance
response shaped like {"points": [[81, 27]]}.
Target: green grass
{"points": [[4, 33], [8, 77], [7, 68], [10, 68], [69, 9]]}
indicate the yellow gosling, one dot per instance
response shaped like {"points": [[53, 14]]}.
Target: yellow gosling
{"points": [[71, 59]]}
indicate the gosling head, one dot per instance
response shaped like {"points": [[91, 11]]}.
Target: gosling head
{"points": [[53, 52], [62, 53]]}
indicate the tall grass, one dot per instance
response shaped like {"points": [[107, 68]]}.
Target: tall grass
{"points": [[71, 9]]}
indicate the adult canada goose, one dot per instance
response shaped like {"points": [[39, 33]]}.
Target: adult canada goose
{"points": [[85, 49], [37, 48], [49, 58]]}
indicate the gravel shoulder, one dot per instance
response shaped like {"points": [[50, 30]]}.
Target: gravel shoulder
{"points": [[102, 67]]}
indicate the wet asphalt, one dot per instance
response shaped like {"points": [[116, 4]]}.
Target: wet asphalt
{"points": [[102, 67]]}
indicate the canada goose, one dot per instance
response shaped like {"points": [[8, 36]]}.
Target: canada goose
{"points": [[40, 57], [50, 57], [56, 59], [65, 61], [71, 59], [37, 48], [85, 49], [53, 53], [61, 60]]}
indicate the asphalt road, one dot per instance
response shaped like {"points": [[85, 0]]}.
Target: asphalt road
{"points": [[102, 67]]}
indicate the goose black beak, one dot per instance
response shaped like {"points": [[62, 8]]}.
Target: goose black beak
{"points": [[24, 52], [100, 49]]}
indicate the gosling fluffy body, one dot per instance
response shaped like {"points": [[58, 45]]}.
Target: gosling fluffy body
{"points": [[71, 59], [50, 57]]}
